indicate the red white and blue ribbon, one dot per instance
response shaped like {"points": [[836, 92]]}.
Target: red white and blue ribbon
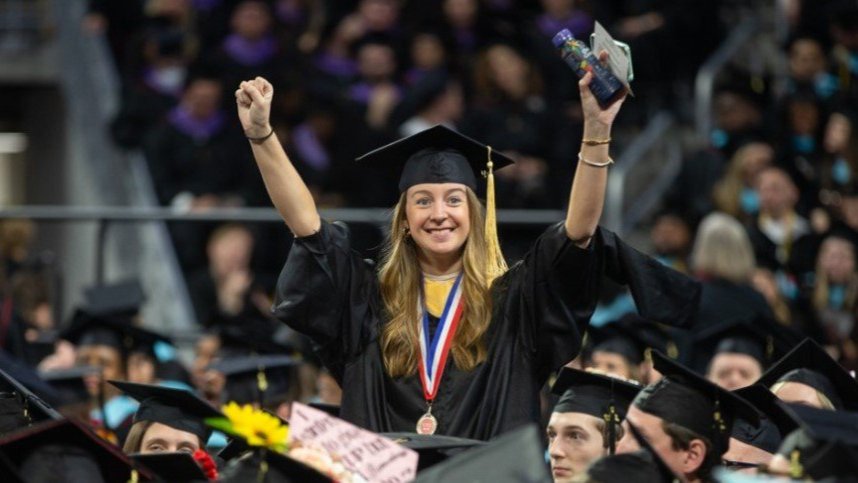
{"points": [[433, 353]]}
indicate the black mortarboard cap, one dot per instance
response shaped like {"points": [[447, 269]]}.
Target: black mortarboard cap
{"points": [[121, 298], [663, 475], [69, 382], [760, 338], [824, 425], [110, 330], [774, 426], [639, 466], [809, 364], [255, 336], [514, 457], [685, 398], [835, 460], [331, 409], [19, 406], [179, 466], [632, 336], [178, 408], [252, 379], [277, 468], [436, 155], [66, 450], [432, 448]]}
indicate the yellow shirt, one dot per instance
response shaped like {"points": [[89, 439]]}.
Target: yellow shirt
{"points": [[436, 288]]}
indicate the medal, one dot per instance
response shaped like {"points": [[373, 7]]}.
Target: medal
{"points": [[433, 353], [427, 424]]}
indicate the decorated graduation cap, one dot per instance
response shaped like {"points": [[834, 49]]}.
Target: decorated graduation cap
{"points": [[442, 155], [177, 408], [511, 458], [113, 331], [760, 338], [809, 364], [433, 448], [775, 423], [632, 337], [685, 398], [601, 396], [255, 379], [66, 450]]}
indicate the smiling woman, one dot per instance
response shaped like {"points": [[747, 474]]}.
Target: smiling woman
{"points": [[442, 336]]}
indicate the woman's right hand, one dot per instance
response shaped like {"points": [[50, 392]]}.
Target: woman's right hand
{"points": [[253, 99]]}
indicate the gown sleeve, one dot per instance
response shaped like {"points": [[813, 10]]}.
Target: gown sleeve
{"points": [[326, 291]]}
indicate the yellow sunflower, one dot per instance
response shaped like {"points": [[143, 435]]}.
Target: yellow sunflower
{"points": [[257, 427]]}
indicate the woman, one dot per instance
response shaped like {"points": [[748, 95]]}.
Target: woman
{"points": [[167, 421], [510, 334]]}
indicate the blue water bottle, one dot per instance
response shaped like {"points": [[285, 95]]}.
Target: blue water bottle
{"points": [[605, 86]]}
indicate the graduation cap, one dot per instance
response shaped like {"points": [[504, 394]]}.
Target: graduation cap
{"points": [[271, 467], [19, 406], [774, 426], [66, 450], [442, 155], [809, 364], [121, 298], [601, 396], [514, 457], [114, 331], [69, 382], [178, 466], [177, 408], [760, 338], [433, 448], [654, 469], [632, 337], [252, 379], [255, 336], [685, 398]]}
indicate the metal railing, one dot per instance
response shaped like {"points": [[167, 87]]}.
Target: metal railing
{"points": [[704, 83]]}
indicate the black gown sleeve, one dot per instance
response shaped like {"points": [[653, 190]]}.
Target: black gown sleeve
{"points": [[327, 292]]}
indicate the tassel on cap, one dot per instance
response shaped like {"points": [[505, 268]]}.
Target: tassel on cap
{"points": [[495, 261]]}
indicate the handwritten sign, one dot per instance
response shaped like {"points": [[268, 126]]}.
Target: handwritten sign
{"points": [[375, 458]]}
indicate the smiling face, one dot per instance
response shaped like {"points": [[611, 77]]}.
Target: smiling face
{"points": [[574, 441], [438, 219]]}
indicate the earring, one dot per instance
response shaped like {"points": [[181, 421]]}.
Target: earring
{"points": [[406, 232]]}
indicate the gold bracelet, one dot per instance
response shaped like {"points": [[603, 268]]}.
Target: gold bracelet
{"points": [[594, 164], [596, 142]]}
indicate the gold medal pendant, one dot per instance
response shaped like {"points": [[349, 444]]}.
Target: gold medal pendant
{"points": [[427, 424]]}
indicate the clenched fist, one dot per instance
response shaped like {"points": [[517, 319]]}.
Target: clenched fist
{"points": [[253, 99]]}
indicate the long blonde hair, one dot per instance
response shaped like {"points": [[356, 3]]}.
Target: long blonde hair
{"points": [[723, 249], [400, 279]]}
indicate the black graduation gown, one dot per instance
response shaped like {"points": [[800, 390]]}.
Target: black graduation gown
{"points": [[541, 309]]}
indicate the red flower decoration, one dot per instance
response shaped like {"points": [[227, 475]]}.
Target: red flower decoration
{"points": [[206, 463]]}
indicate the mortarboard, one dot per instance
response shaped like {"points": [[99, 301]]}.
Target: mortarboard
{"points": [[66, 450], [271, 467], [601, 396], [19, 406], [110, 330], [121, 298], [433, 448], [442, 155], [514, 457], [633, 336], [178, 408], [69, 382], [639, 466], [332, 409], [775, 425], [179, 466], [253, 379], [663, 473], [254, 336], [760, 338], [685, 398], [809, 364]]}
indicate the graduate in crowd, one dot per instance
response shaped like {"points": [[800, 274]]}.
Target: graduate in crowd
{"points": [[438, 336], [586, 422], [686, 419]]}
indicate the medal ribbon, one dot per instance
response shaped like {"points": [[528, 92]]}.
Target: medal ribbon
{"points": [[433, 353]]}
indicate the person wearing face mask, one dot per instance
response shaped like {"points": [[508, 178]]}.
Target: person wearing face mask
{"points": [[443, 337]]}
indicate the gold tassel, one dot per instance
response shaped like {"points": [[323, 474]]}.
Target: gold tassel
{"points": [[494, 256]]}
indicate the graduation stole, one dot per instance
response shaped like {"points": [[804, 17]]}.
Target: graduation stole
{"points": [[434, 351]]}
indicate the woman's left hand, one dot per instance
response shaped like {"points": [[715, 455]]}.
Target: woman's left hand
{"points": [[595, 117]]}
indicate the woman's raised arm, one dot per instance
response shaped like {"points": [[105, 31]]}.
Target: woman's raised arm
{"points": [[283, 183]]}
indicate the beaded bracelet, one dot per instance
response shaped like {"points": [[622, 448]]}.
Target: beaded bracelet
{"points": [[595, 165]]}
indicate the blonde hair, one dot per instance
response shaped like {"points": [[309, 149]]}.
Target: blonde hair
{"points": [[727, 191], [821, 285], [400, 278], [723, 249], [135, 437], [823, 399]]}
